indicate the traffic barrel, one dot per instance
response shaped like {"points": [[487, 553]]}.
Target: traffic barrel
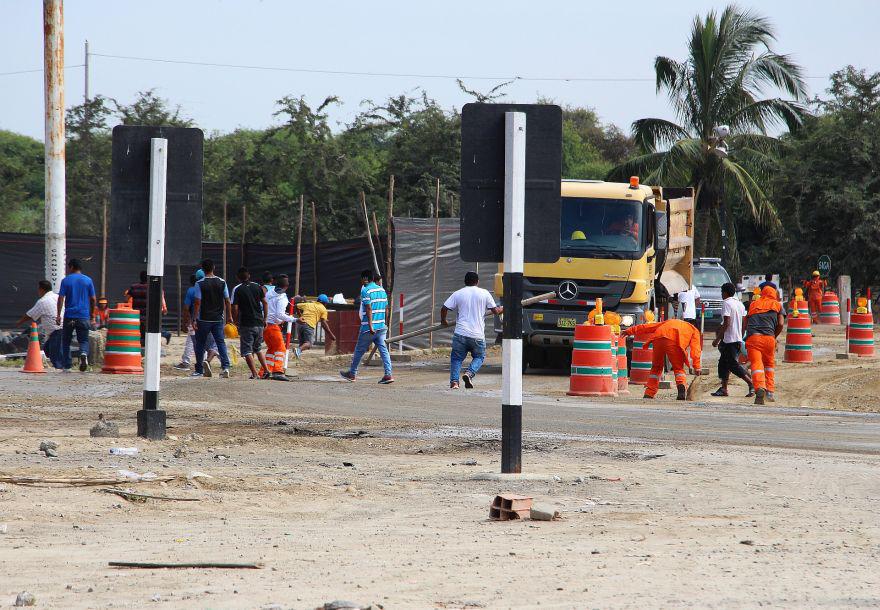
{"points": [[615, 339], [803, 308], [592, 366], [861, 334], [798, 339], [123, 350], [830, 311], [640, 367], [622, 373], [33, 362]]}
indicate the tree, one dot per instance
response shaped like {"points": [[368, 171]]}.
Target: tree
{"points": [[730, 65], [88, 152], [21, 183], [150, 109]]}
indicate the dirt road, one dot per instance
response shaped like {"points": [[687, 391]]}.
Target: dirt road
{"points": [[377, 494]]}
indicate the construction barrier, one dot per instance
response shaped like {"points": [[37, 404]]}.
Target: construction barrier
{"points": [[33, 362], [622, 373], [122, 354], [615, 339], [830, 312], [799, 339], [803, 308], [861, 334], [640, 367], [592, 368]]}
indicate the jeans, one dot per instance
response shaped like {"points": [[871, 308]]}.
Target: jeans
{"points": [[52, 347], [81, 327], [215, 330], [461, 347], [364, 341]]}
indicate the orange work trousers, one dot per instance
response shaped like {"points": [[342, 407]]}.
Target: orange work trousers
{"points": [[815, 304], [665, 348], [762, 359], [275, 348]]}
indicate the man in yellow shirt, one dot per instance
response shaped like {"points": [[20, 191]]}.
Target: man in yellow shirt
{"points": [[310, 315]]}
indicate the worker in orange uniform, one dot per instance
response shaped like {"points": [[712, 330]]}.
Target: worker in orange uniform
{"points": [[670, 339], [815, 288], [762, 325]]}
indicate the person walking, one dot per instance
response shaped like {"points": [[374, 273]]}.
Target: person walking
{"points": [[249, 310], [210, 309], [689, 301], [374, 301], [189, 346], [76, 299], [470, 305], [44, 313], [277, 315], [729, 340], [671, 339], [763, 324], [310, 315], [815, 288]]}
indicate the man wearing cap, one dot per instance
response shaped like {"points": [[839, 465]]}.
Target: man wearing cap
{"points": [[310, 315], [43, 313], [815, 288]]}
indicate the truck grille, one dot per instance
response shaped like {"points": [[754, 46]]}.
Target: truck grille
{"points": [[611, 292], [712, 304]]}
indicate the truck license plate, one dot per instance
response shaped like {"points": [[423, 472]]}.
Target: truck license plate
{"points": [[708, 315], [566, 322]]}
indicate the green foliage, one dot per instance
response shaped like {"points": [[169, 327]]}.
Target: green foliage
{"points": [[22, 171]]}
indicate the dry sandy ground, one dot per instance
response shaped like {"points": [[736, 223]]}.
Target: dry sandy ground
{"points": [[405, 524]]}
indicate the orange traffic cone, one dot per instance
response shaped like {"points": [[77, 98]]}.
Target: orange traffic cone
{"points": [[34, 361]]}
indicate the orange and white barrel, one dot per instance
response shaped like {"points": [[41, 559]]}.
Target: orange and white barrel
{"points": [[802, 306], [640, 367], [122, 353], [798, 339], [592, 363], [622, 373], [861, 334], [830, 311]]}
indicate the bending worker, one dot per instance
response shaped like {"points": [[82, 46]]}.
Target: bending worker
{"points": [[670, 339], [815, 289], [763, 324]]}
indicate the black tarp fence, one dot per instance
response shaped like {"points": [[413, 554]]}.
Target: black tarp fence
{"points": [[22, 265]]}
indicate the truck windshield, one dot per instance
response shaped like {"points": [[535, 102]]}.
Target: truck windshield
{"points": [[601, 227], [710, 276]]}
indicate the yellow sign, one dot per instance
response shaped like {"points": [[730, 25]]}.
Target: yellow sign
{"points": [[538, 317]]}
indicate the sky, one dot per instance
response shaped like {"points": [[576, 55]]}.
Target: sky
{"points": [[494, 39]]}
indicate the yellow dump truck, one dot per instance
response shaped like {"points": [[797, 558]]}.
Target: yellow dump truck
{"points": [[618, 241]]}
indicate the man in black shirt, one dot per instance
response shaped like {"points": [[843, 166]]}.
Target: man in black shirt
{"points": [[210, 304], [249, 310]]}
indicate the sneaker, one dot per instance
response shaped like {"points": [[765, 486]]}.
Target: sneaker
{"points": [[206, 367], [348, 375], [297, 351], [386, 380], [720, 392], [453, 385], [252, 376], [467, 381], [751, 392], [279, 377], [181, 366], [770, 398], [196, 374], [266, 375], [65, 370], [224, 374], [83, 363]]}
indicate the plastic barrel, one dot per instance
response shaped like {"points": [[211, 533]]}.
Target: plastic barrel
{"points": [[123, 350], [798, 339], [861, 334], [830, 312], [592, 364], [622, 375], [641, 363], [803, 308]]}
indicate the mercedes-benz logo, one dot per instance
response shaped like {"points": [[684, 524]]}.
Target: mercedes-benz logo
{"points": [[567, 290]]}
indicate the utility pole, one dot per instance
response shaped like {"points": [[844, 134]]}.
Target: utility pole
{"points": [[53, 73], [86, 66]]}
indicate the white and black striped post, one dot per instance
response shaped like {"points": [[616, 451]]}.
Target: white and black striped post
{"points": [[150, 419], [512, 351]]}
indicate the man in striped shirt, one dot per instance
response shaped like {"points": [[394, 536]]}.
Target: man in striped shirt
{"points": [[374, 302]]}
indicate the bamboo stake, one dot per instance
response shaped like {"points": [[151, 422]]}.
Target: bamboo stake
{"points": [[130, 495], [434, 269], [149, 565], [314, 249], [225, 272], [299, 238], [179, 301], [379, 249], [388, 283], [104, 253], [369, 233], [243, 232]]}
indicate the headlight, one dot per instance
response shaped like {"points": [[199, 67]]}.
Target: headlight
{"points": [[627, 320]]}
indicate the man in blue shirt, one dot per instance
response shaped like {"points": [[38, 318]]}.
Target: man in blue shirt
{"points": [[374, 302], [76, 296], [211, 308]]}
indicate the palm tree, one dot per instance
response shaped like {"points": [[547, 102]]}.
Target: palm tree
{"points": [[730, 66]]}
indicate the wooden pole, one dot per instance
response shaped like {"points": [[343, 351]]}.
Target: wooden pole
{"points": [[179, 301], [379, 240], [299, 238], [369, 233], [434, 269], [243, 232], [104, 253], [388, 280], [225, 272], [314, 249]]}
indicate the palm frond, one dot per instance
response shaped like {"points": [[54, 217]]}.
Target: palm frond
{"points": [[650, 134], [759, 206], [771, 111]]}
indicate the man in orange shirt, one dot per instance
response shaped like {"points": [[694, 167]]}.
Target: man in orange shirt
{"points": [[763, 324], [815, 288], [670, 339]]}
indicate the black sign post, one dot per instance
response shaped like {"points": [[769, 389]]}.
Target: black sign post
{"points": [[511, 170]]}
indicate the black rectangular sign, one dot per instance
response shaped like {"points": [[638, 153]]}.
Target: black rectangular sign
{"points": [[130, 194], [482, 181]]}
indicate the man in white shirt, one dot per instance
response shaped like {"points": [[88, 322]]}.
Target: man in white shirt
{"points": [[45, 313], [470, 305], [728, 340], [277, 315], [688, 300]]}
